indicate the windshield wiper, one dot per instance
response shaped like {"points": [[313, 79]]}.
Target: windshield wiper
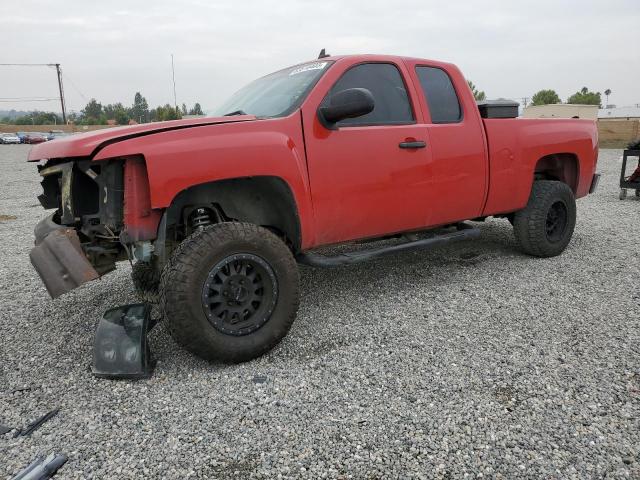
{"points": [[235, 112]]}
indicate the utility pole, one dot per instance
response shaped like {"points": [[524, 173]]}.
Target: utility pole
{"points": [[57, 65], [64, 110], [525, 100], [173, 73]]}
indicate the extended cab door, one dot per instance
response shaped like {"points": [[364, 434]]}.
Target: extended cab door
{"points": [[457, 175], [368, 175]]}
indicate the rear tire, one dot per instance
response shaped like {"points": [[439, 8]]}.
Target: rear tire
{"points": [[230, 292], [545, 226]]}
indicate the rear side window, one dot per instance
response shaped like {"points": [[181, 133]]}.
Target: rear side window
{"points": [[385, 83], [441, 96]]}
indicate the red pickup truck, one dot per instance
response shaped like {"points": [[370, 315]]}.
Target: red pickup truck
{"points": [[217, 212]]}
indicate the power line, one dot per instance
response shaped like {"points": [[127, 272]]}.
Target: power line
{"points": [[25, 100], [59, 74], [75, 87], [27, 64], [28, 98]]}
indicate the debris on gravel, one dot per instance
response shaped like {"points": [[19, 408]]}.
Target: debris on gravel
{"points": [[470, 360]]}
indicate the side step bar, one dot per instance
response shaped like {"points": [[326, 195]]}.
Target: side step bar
{"points": [[464, 232]]}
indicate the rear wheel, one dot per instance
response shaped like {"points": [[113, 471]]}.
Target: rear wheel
{"points": [[230, 292], [545, 226]]}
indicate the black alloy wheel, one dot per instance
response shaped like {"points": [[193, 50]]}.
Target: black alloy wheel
{"points": [[240, 294], [545, 226], [556, 222], [230, 292]]}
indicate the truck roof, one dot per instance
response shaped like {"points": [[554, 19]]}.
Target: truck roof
{"points": [[374, 57]]}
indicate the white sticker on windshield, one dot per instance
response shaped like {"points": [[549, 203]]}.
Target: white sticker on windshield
{"points": [[309, 66]]}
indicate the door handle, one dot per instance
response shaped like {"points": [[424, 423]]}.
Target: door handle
{"points": [[413, 144]]}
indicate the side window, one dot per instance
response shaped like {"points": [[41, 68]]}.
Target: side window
{"points": [[441, 96], [385, 83]]}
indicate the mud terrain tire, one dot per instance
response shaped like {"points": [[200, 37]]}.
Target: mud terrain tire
{"points": [[545, 226], [146, 280], [230, 292]]}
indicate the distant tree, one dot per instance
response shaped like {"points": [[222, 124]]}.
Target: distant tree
{"points": [[607, 92], [47, 118], [6, 120], [73, 117], [35, 118], [161, 114], [25, 120], [167, 112], [477, 94], [92, 113], [121, 115], [196, 110], [109, 111], [545, 97], [140, 109], [184, 109], [585, 97]]}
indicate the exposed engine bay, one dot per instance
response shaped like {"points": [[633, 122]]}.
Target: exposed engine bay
{"points": [[88, 197]]}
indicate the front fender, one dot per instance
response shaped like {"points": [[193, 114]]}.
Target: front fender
{"points": [[177, 160]]}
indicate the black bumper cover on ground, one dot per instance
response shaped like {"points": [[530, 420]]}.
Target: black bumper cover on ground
{"points": [[58, 258]]}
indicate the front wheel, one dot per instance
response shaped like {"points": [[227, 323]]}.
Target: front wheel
{"points": [[545, 226], [230, 292]]}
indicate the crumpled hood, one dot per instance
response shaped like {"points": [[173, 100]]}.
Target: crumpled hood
{"points": [[87, 144]]}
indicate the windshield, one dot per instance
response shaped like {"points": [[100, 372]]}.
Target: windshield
{"points": [[275, 95]]}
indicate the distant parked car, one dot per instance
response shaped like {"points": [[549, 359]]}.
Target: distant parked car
{"points": [[53, 134], [34, 137], [21, 136], [6, 138]]}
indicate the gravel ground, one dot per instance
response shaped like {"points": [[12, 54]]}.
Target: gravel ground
{"points": [[467, 361]]}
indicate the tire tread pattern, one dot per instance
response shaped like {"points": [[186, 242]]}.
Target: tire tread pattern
{"points": [[529, 224], [146, 281], [178, 274]]}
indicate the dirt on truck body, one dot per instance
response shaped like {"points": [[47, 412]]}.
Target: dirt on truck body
{"points": [[216, 211]]}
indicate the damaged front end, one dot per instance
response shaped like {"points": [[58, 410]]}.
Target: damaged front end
{"points": [[86, 235]]}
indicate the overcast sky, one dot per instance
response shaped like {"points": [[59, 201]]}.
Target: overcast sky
{"points": [[111, 49]]}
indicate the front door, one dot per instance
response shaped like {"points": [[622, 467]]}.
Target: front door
{"points": [[368, 174]]}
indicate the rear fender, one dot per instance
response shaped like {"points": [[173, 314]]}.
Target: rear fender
{"points": [[561, 166]]}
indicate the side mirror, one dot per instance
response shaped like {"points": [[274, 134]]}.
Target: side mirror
{"points": [[349, 103]]}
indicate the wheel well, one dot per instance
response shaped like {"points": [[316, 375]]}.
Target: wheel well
{"points": [[559, 166], [264, 201]]}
